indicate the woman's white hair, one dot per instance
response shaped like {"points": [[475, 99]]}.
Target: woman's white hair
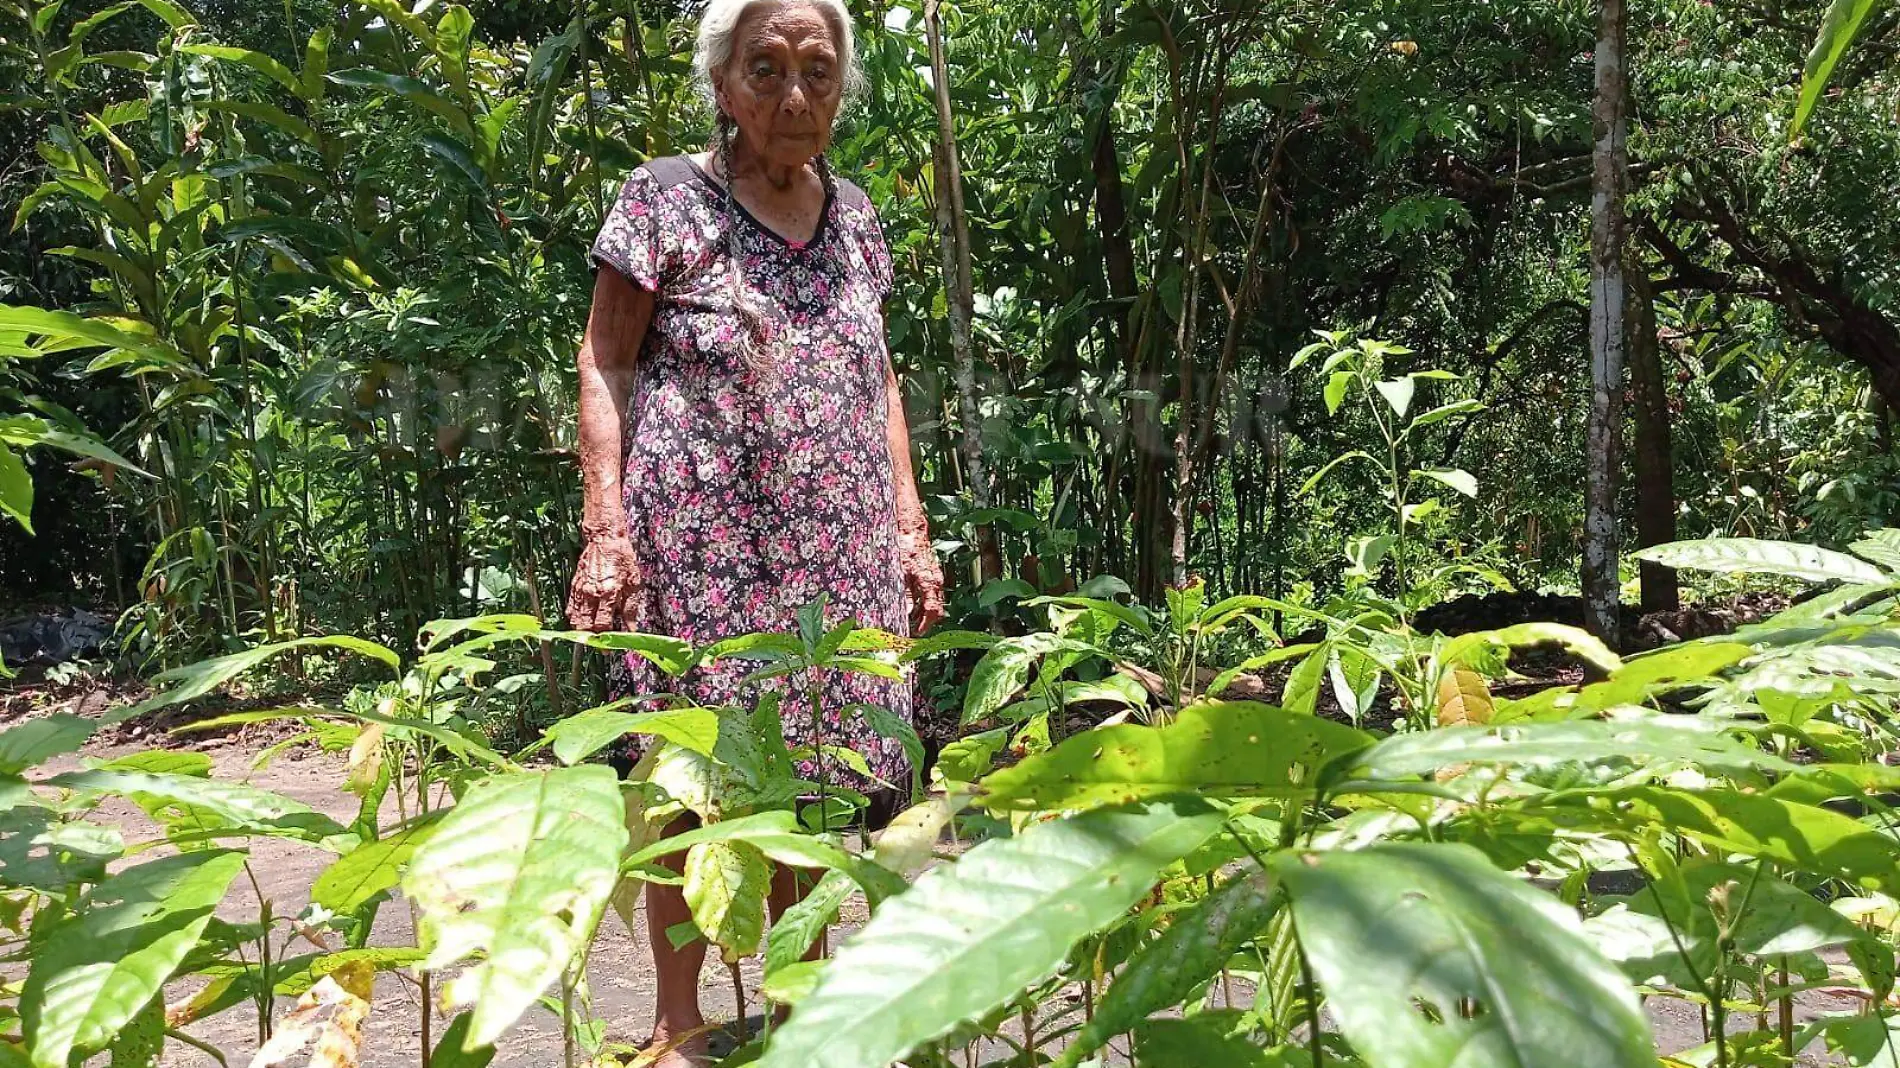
{"points": [[719, 26]]}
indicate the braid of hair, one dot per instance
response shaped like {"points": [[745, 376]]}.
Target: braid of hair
{"points": [[825, 177], [755, 350]]}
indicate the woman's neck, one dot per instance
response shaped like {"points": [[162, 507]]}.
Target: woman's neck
{"points": [[742, 164]]}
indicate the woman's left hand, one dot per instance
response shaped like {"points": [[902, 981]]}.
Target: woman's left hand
{"points": [[923, 579]]}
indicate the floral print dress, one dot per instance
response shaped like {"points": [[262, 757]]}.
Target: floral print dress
{"points": [[751, 495]]}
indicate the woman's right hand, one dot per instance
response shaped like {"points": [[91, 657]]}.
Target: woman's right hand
{"points": [[605, 579]]}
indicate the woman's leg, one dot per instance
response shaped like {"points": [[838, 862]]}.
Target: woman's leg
{"points": [[676, 970]]}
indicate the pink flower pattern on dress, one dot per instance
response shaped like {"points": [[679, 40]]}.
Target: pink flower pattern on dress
{"points": [[748, 496]]}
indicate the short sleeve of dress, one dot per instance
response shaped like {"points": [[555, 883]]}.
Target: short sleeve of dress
{"points": [[629, 239]]}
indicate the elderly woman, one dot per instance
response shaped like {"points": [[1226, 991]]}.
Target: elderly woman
{"points": [[742, 438]]}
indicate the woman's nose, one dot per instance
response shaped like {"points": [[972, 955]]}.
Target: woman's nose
{"points": [[795, 101]]}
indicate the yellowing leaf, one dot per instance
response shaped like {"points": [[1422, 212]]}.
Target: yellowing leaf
{"points": [[327, 1022], [1463, 698]]}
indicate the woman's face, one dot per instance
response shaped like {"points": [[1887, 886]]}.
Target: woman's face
{"points": [[784, 83]]}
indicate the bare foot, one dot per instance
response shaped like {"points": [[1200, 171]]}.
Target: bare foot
{"points": [[669, 1049]]}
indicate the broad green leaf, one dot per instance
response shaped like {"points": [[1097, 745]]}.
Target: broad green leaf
{"points": [[175, 16], [726, 885], [1577, 641], [1198, 942], [28, 744], [452, 1051], [369, 869], [411, 89], [93, 970], [1320, 475], [1871, 1041], [1640, 676], [1753, 556], [1005, 668], [1838, 29], [1460, 481], [580, 736], [1335, 393], [1253, 663], [1649, 741], [193, 681], [1882, 547], [798, 928], [1301, 694], [1355, 679], [1217, 748], [16, 488], [1398, 393], [257, 61], [1805, 837], [970, 935], [517, 875], [1446, 411], [1431, 958], [1204, 1040], [212, 808]]}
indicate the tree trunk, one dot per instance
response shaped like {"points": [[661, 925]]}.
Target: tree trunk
{"points": [[1654, 451], [953, 227], [1611, 161]]}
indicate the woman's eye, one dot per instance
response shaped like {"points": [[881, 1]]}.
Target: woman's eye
{"points": [[763, 71]]}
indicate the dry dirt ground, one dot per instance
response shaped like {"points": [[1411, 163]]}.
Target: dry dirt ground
{"points": [[619, 972]]}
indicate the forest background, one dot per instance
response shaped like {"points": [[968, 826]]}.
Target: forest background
{"points": [[335, 253]]}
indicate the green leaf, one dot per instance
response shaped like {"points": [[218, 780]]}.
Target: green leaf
{"points": [[1838, 28], [193, 681], [1882, 547], [970, 935], [1217, 748], [1355, 679], [413, 90], [1543, 744], [579, 736], [1461, 481], [94, 969], [1203, 1040], [370, 868], [1198, 942], [798, 928], [212, 808], [257, 61], [1398, 393], [175, 16], [1005, 668], [1444, 412], [517, 874], [726, 885], [29, 743], [1806, 837], [1335, 393], [1431, 957], [1301, 694], [452, 1050], [1320, 475], [1753, 556], [1273, 656], [16, 488]]}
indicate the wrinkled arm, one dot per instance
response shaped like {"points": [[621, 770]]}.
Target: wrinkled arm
{"points": [[918, 560], [616, 325], [606, 574]]}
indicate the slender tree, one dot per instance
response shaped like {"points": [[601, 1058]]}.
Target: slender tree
{"points": [[1610, 165], [953, 229]]}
